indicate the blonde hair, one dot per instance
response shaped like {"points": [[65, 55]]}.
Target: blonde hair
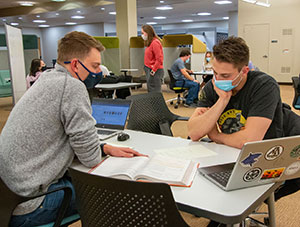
{"points": [[76, 45]]}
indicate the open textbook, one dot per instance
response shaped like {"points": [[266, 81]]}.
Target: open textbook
{"points": [[158, 168]]}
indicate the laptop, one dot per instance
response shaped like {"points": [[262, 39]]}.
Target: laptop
{"points": [[110, 116], [260, 162]]}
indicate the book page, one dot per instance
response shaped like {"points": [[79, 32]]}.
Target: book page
{"points": [[118, 166], [165, 169], [187, 152]]}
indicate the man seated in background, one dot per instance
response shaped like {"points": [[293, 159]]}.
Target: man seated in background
{"points": [[50, 125], [183, 78]]}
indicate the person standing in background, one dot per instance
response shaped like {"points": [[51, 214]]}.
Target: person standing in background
{"points": [[36, 69], [207, 66], [153, 59]]}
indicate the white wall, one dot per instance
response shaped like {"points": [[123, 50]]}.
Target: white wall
{"points": [[109, 28], [210, 24], [284, 50], [51, 36], [233, 23]]}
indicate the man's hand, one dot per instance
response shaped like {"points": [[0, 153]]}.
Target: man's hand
{"points": [[222, 94], [196, 81], [120, 151]]}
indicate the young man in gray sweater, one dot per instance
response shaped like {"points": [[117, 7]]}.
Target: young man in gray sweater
{"points": [[49, 125]]}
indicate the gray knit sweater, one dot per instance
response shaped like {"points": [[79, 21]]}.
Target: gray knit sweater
{"points": [[50, 124]]}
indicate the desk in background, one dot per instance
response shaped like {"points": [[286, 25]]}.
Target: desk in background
{"points": [[114, 87], [203, 198], [125, 71], [202, 73]]}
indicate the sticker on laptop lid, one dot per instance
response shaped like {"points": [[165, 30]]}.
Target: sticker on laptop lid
{"points": [[251, 159], [292, 168], [272, 173], [295, 153], [252, 174], [274, 153]]}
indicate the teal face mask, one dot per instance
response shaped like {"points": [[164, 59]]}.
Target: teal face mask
{"points": [[207, 59], [187, 61], [226, 85]]}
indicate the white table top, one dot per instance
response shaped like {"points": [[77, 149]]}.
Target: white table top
{"points": [[203, 73], [203, 197], [117, 85], [129, 70]]}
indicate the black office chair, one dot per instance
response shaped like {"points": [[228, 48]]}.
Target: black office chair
{"points": [[296, 85], [110, 202], [149, 113], [178, 91], [9, 201]]}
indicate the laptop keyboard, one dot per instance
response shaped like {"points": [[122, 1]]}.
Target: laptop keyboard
{"points": [[105, 132], [221, 177]]}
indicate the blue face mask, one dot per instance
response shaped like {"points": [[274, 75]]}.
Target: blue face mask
{"points": [[187, 61], [226, 85], [207, 59], [92, 79]]}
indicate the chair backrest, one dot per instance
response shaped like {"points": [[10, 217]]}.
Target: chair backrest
{"points": [[291, 121], [149, 112], [8, 202], [296, 85], [103, 201], [172, 79]]}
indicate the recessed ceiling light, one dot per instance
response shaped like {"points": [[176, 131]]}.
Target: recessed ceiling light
{"points": [[225, 18], [20, 18], [78, 11], [77, 17], [38, 16], [162, 1], [102, 8], [44, 25], [159, 18], [186, 21], [39, 21], [164, 7], [26, 3], [263, 4], [204, 14], [70, 23], [250, 1], [57, 14], [58, 0], [223, 2], [14, 24], [112, 13], [151, 23]]}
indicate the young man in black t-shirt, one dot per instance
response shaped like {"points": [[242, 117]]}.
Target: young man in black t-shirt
{"points": [[237, 105]]}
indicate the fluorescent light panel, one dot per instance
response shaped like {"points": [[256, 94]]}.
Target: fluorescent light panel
{"points": [[187, 21], [44, 25], [265, 4], [204, 14], [26, 3], [77, 17], [112, 13], [223, 2], [151, 23], [70, 23], [164, 7], [39, 21], [14, 23], [159, 18], [249, 1]]}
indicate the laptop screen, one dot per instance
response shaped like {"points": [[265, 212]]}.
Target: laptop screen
{"points": [[110, 113]]}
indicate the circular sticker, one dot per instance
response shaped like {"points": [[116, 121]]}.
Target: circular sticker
{"points": [[292, 169], [274, 153], [252, 174], [295, 153]]}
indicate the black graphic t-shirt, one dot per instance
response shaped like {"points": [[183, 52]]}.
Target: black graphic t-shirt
{"points": [[260, 97]]}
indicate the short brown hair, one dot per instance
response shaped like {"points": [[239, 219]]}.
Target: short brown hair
{"points": [[233, 50], [185, 52], [76, 45], [151, 34]]}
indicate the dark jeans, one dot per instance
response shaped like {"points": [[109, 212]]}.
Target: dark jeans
{"points": [[47, 211], [193, 89]]}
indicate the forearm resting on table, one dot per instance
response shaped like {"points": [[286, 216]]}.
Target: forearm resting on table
{"points": [[203, 121]]}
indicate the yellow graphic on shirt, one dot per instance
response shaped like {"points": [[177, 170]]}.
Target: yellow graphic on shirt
{"points": [[231, 121]]}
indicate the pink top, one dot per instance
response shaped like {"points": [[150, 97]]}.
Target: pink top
{"points": [[154, 55], [30, 79]]}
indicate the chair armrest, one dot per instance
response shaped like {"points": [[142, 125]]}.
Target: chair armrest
{"points": [[180, 118], [64, 205]]}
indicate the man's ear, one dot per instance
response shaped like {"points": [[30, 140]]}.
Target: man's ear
{"points": [[74, 65], [245, 70]]}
